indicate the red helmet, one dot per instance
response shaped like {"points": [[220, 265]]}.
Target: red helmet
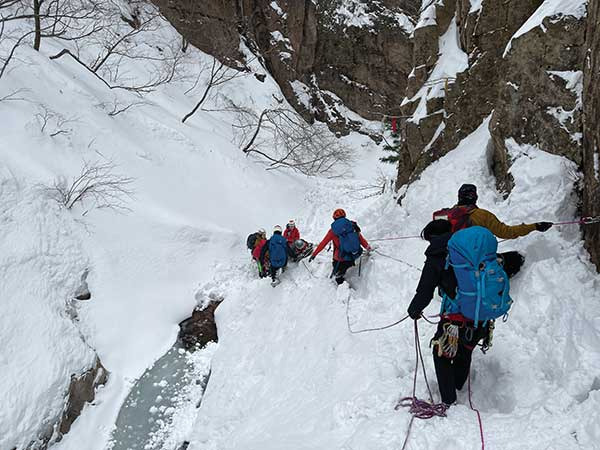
{"points": [[339, 213]]}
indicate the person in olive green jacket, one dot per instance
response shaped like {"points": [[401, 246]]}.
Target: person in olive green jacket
{"points": [[467, 197], [466, 214]]}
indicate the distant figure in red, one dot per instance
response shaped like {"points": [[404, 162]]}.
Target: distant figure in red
{"points": [[291, 233], [353, 240]]}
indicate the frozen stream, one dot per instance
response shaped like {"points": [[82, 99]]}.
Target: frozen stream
{"points": [[162, 406]]}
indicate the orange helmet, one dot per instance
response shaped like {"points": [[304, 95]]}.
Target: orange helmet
{"points": [[339, 213]]}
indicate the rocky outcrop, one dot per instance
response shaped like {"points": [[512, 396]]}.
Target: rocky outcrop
{"points": [[82, 390], [528, 77], [199, 329], [326, 56], [458, 98], [539, 101], [591, 131]]}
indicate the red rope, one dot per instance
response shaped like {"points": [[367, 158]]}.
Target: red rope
{"points": [[420, 409], [478, 414], [395, 238]]}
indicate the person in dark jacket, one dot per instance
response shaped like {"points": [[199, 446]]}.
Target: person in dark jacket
{"points": [[278, 249], [452, 370]]}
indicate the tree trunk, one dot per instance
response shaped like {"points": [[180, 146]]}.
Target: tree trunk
{"points": [[38, 25]]}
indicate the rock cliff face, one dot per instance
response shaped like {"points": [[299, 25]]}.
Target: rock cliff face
{"points": [[530, 64], [591, 130], [441, 66], [327, 55]]}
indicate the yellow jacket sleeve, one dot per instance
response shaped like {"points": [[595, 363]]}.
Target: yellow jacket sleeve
{"points": [[484, 218]]}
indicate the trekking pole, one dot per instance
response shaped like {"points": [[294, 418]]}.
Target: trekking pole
{"points": [[306, 267], [359, 265]]}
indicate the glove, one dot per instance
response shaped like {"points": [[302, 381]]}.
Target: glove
{"points": [[311, 258], [543, 226], [415, 315]]}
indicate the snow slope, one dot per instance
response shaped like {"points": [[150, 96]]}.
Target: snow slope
{"points": [[196, 197], [288, 374]]}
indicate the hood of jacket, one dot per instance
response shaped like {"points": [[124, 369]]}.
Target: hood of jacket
{"points": [[438, 246]]}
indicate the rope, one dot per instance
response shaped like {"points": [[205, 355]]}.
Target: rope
{"points": [[582, 221], [478, 413], [397, 260], [368, 329], [397, 238], [420, 409]]}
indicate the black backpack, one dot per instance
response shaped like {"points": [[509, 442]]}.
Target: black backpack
{"points": [[251, 240]]}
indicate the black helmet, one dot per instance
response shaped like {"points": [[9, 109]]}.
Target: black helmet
{"points": [[467, 194]]}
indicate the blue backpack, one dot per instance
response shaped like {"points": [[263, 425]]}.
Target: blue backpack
{"points": [[278, 251], [483, 285], [350, 248]]}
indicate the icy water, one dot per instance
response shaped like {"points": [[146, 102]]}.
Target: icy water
{"points": [[161, 407]]}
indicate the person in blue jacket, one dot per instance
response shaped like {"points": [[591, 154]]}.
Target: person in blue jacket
{"points": [[279, 250]]}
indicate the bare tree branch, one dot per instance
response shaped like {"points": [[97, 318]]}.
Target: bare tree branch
{"points": [[96, 187], [284, 139], [219, 74]]}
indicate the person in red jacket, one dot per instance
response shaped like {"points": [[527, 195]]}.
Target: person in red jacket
{"points": [[260, 243], [291, 233], [340, 266]]}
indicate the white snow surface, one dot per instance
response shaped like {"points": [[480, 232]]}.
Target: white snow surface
{"points": [[428, 16], [451, 61], [550, 8], [196, 197], [476, 5], [41, 260], [288, 374]]}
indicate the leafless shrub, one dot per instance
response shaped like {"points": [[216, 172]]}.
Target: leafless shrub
{"points": [[15, 96], [117, 107], [97, 186], [52, 122], [379, 186], [284, 139]]}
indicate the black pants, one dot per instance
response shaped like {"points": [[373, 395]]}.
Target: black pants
{"points": [[512, 262], [340, 268], [453, 373], [273, 271]]}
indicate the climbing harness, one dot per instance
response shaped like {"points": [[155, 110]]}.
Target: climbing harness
{"points": [[487, 341], [420, 409], [447, 343], [397, 260]]}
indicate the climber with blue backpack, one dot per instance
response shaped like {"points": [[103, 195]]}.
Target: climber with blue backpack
{"points": [[278, 250], [475, 291], [348, 243]]}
